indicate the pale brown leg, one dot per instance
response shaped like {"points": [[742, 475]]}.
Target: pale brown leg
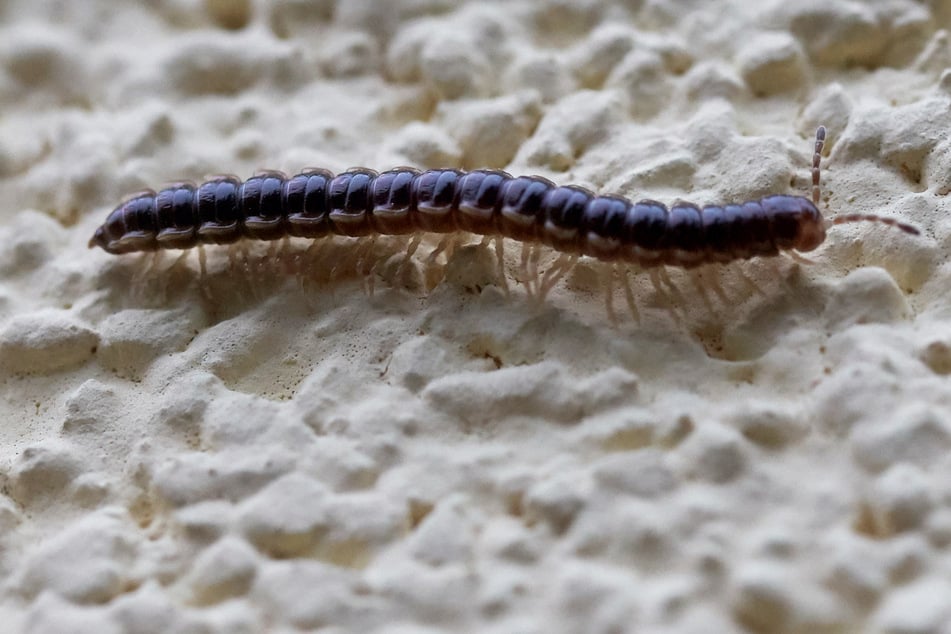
{"points": [[500, 258], [555, 272], [305, 267], [799, 258], [410, 250], [533, 257], [284, 261], [452, 245], [155, 260], [362, 266], [243, 265], [533, 265], [523, 267], [747, 280], [674, 291], [716, 273], [607, 275], [203, 279], [251, 271], [272, 254], [657, 277], [442, 246], [334, 268], [696, 277], [144, 265], [629, 293], [178, 263], [435, 275], [371, 277]]}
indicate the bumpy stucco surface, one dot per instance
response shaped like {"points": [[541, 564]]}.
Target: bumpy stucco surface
{"points": [[765, 450]]}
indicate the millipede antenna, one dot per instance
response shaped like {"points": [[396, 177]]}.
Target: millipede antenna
{"points": [[816, 158], [891, 222], [848, 218]]}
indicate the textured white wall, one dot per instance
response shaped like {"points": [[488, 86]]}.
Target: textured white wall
{"points": [[262, 448]]}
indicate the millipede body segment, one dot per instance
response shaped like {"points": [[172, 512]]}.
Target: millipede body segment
{"points": [[532, 209]]}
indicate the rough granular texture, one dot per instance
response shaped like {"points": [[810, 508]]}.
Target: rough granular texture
{"points": [[267, 445]]}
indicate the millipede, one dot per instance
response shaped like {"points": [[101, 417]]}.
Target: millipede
{"points": [[569, 219]]}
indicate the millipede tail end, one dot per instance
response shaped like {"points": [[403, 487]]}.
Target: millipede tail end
{"points": [[98, 239]]}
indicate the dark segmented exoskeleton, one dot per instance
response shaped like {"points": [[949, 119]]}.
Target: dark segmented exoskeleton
{"points": [[530, 209]]}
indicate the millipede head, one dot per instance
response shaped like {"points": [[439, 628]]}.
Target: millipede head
{"points": [[798, 223]]}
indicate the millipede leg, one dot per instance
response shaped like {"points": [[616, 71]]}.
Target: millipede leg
{"points": [[371, 277], [332, 274], [362, 269], [146, 263], [272, 257], [240, 260], [203, 271], [413, 244], [359, 255], [202, 262], [696, 277], [154, 262], [716, 274], [180, 260], [535, 255], [407, 258], [251, 271], [284, 256], [306, 268], [798, 258], [629, 293], [203, 279], [360, 258], [674, 291], [434, 254], [500, 259], [435, 275], [607, 275], [523, 267], [454, 242], [141, 268], [410, 251], [655, 282], [232, 259], [555, 272], [295, 260], [162, 279], [657, 277], [178, 264]]}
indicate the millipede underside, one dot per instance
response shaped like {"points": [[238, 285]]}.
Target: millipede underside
{"points": [[420, 262]]}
